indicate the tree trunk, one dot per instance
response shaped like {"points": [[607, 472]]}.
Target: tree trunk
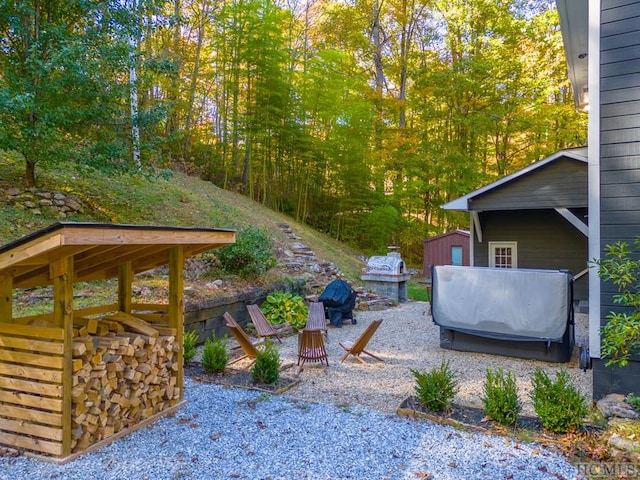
{"points": [[30, 174]]}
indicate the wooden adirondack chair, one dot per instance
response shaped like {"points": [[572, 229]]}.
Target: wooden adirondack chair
{"points": [[263, 327], [247, 345], [311, 347], [358, 347]]}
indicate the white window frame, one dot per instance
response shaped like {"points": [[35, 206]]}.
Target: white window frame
{"points": [[514, 253]]}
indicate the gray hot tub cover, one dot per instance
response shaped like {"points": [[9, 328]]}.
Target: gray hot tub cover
{"points": [[503, 303]]}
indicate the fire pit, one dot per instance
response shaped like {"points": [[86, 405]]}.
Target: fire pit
{"points": [[386, 276]]}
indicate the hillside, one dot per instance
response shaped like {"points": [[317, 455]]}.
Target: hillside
{"points": [[168, 198]]}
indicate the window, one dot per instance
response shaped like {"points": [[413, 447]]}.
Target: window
{"points": [[503, 254], [456, 254]]}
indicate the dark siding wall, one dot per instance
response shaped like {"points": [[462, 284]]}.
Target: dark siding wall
{"points": [[545, 240], [562, 183], [437, 251], [619, 153]]}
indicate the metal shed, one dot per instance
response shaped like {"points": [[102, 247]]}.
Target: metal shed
{"points": [[450, 248], [71, 381]]}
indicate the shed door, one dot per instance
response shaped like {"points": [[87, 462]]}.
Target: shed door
{"points": [[456, 254], [503, 254]]}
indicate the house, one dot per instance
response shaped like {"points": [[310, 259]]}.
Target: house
{"points": [[533, 218], [450, 248], [602, 46]]}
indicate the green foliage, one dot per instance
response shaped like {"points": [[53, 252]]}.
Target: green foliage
{"points": [[378, 227], [620, 337], [417, 289], [214, 355], [266, 368], [280, 307], [634, 401], [189, 340], [437, 388], [558, 403], [500, 397], [250, 256]]}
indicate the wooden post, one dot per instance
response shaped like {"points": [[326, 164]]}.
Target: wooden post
{"points": [[176, 307], [125, 280], [62, 273], [6, 299]]}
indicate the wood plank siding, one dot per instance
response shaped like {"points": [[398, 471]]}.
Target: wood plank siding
{"points": [[562, 183], [619, 156], [545, 240]]}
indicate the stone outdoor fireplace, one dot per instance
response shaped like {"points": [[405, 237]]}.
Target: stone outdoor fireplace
{"points": [[387, 276]]}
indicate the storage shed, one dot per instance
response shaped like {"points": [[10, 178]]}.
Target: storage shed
{"points": [[450, 248], [73, 379]]}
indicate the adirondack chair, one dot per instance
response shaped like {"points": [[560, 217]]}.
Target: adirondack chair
{"points": [[316, 319], [263, 327], [358, 347], [311, 347], [247, 344]]}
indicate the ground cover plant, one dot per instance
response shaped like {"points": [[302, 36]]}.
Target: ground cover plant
{"points": [[280, 307]]}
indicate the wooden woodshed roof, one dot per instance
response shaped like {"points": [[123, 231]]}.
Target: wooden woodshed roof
{"points": [[99, 249]]}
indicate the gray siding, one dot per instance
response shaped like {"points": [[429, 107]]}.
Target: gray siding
{"points": [[619, 126], [619, 156], [545, 240], [562, 183]]}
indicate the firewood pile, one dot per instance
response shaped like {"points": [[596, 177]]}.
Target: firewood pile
{"points": [[125, 370]]}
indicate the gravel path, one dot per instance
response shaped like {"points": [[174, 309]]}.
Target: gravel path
{"points": [[338, 423]]}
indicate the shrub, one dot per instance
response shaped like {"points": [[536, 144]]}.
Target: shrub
{"points": [[633, 401], [189, 340], [620, 337], [558, 404], [266, 369], [214, 355], [280, 307], [500, 398], [250, 256], [435, 389]]}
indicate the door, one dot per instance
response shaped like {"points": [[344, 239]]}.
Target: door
{"points": [[456, 254]]}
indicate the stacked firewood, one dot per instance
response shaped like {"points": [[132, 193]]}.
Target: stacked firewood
{"points": [[125, 370]]}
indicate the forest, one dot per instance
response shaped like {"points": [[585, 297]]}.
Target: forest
{"points": [[357, 117]]}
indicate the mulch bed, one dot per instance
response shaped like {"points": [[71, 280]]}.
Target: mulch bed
{"points": [[233, 377], [472, 418]]}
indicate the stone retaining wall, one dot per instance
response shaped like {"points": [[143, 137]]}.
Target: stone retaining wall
{"points": [[38, 201]]}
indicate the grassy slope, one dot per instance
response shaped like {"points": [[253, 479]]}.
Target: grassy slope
{"points": [[180, 201]]}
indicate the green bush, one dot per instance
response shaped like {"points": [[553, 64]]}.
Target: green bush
{"points": [[250, 256], [266, 369], [559, 405], [500, 398], [620, 337], [633, 401], [280, 307], [214, 355], [437, 388], [189, 340]]}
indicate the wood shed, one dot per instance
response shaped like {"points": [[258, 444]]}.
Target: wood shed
{"points": [[72, 380]]}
